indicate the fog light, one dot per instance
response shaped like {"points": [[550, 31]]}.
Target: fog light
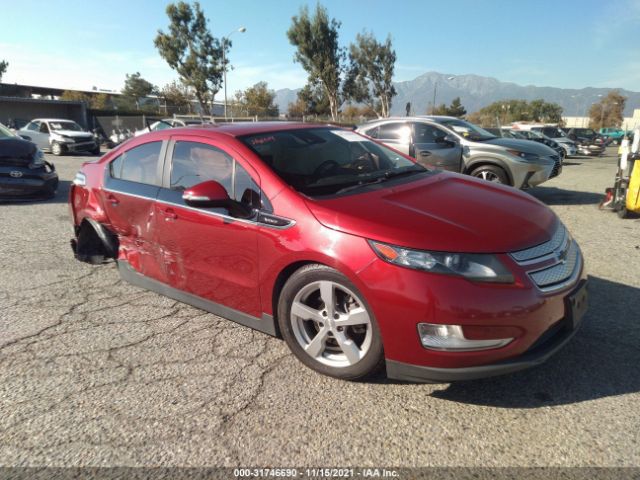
{"points": [[451, 337]]}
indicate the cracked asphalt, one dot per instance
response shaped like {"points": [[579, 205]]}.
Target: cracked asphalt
{"points": [[96, 372]]}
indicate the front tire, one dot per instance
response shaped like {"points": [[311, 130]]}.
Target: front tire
{"points": [[328, 325], [491, 173], [56, 149]]}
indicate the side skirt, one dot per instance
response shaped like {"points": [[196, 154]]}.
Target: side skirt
{"points": [[265, 324]]}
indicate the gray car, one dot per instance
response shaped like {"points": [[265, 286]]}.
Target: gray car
{"points": [[59, 136], [449, 143]]}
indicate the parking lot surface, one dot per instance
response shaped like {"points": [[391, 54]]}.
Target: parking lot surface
{"points": [[96, 372]]}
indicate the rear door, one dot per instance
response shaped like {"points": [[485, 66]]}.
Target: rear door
{"points": [[131, 185], [206, 251], [432, 147]]}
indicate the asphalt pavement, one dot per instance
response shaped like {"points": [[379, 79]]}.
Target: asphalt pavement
{"points": [[96, 372]]}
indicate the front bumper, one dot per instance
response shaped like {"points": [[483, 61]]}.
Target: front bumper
{"points": [[591, 150], [547, 345], [81, 147], [36, 183]]}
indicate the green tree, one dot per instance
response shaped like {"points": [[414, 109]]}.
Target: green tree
{"points": [[455, 109], [608, 112], [3, 68], [316, 40], [369, 78], [506, 111], [191, 50], [258, 100], [101, 101], [136, 87], [176, 94]]}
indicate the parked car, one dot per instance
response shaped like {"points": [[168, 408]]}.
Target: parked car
{"points": [[553, 132], [587, 140], [353, 253], [59, 136], [541, 138], [169, 123], [24, 173], [453, 144], [614, 134]]}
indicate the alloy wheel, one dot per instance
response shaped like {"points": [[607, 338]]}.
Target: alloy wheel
{"points": [[331, 324]]}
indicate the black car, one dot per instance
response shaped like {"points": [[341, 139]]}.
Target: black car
{"points": [[588, 141], [24, 173]]}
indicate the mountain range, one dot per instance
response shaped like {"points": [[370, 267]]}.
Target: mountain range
{"points": [[476, 92]]}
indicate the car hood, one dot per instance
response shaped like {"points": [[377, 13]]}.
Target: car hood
{"points": [[526, 146], [73, 133], [443, 212], [16, 151]]}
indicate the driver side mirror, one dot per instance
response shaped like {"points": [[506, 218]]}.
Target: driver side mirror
{"points": [[212, 194], [446, 140]]}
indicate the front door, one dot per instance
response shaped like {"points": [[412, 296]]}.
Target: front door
{"points": [[206, 251], [433, 146]]}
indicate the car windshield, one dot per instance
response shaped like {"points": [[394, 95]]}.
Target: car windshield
{"points": [[73, 126], [584, 132], [5, 132], [466, 129], [326, 161]]}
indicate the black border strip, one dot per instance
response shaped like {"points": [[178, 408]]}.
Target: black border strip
{"points": [[265, 324]]}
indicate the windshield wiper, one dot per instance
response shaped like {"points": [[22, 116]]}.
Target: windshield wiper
{"points": [[382, 178]]}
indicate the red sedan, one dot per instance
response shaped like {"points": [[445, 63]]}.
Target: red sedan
{"points": [[351, 252]]}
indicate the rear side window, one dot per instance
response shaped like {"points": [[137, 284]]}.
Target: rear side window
{"points": [[140, 164], [394, 131]]}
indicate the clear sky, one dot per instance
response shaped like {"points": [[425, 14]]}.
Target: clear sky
{"points": [[560, 43]]}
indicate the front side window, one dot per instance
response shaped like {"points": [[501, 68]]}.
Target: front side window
{"points": [[325, 161], [44, 128], [139, 164], [194, 163], [424, 133]]}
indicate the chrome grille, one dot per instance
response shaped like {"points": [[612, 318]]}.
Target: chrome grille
{"points": [[528, 254], [562, 257], [555, 276]]}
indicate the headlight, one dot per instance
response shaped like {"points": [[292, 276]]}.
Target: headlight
{"points": [[529, 157], [473, 266], [38, 160], [61, 138]]}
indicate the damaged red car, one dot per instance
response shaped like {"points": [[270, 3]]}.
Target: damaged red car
{"points": [[355, 255]]}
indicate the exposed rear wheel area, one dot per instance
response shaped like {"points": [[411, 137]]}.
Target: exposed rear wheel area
{"points": [[328, 325], [93, 247]]}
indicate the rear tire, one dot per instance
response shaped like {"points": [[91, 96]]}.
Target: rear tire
{"points": [[328, 325], [491, 173]]}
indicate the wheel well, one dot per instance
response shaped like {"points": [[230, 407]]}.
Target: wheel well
{"points": [[482, 163], [282, 278], [95, 243]]}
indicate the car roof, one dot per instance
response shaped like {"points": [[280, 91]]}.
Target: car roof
{"points": [[52, 120], [381, 121], [248, 128]]}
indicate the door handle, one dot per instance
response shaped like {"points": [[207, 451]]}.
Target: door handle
{"points": [[425, 154], [113, 200], [169, 214]]}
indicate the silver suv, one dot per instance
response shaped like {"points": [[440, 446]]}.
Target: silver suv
{"points": [[452, 144]]}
